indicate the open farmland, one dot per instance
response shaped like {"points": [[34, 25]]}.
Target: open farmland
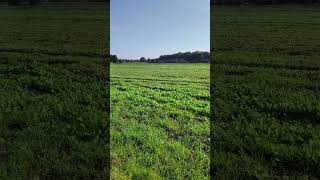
{"points": [[159, 121], [53, 93], [265, 91]]}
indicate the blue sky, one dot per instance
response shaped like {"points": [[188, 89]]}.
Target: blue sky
{"points": [[150, 28]]}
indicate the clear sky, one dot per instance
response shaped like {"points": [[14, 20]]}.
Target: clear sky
{"points": [[149, 28]]}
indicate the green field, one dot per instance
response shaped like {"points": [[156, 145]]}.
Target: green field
{"points": [[160, 121], [53, 93], [54, 111], [265, 91]]}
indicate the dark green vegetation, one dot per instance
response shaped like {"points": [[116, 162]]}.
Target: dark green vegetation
{"points": [[159, 121], [186, 57], [25, 2], [53, 91], [263, 2], [266, 91]]}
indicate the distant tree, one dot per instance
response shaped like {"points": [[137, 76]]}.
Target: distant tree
{"points": [[114, 59], [187, 57], [142, 59]]}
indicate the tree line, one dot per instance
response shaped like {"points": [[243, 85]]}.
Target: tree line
{"points": [[262, 2], [187, 57]]}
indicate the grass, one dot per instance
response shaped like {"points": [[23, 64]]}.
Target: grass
{"points": [[53, 93], [265, 92], [159, 121]]}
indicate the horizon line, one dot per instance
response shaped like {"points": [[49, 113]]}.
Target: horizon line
{"points": [[159, 55]]}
